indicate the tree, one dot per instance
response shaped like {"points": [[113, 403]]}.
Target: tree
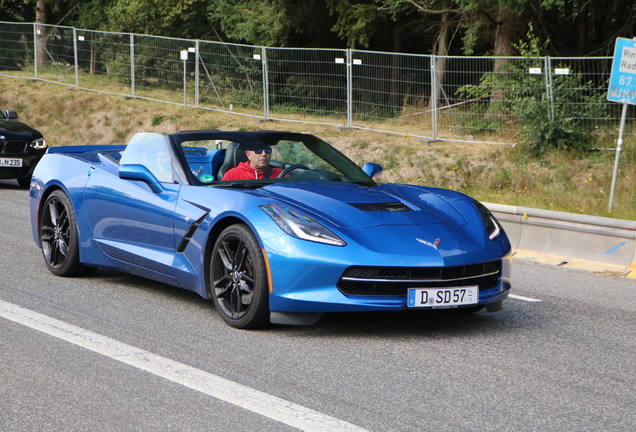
{"points": [[471, 27], [441, 15], [170, 18], [357, 21], [282, 23]]}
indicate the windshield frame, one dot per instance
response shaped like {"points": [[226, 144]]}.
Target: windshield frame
{"points": [[348, 170]]}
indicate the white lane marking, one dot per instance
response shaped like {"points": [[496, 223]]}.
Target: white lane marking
{"points": [[518, 297], [242, 396]]}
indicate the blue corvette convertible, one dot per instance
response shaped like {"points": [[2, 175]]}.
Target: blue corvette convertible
{"points": [[318, 236]]}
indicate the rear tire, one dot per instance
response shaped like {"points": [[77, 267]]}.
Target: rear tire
{"points": [[59, 237], [239, 279]]}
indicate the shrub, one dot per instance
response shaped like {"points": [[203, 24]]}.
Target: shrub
{"points": [[557, 120]]}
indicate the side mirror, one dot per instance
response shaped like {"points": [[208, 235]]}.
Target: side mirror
{"points": [[140, 173], [12, 115], [372, 169]]}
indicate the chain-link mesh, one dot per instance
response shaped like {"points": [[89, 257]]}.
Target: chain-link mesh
{"points": [[307, 81], [472, 99], [159, 69], [16, 48], [394, 88], [104, 61], [584, 83], [54, 54], [230, 78]]}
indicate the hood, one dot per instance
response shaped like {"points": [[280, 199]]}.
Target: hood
{"points": [[14, 129], [352, 206]]}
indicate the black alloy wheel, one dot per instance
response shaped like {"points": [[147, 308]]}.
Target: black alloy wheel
{"points": [[239, 279], [58, 237]]}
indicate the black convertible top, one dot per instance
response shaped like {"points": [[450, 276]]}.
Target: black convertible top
{"points": [[246, 139]]}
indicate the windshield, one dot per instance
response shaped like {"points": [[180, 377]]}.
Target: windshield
{"points": [[251, 159]]}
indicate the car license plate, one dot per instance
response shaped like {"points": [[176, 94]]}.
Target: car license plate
{"points": [[442, 297], [6, 162]]}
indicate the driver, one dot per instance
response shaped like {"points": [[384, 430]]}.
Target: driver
{"points": [[256, 168]]}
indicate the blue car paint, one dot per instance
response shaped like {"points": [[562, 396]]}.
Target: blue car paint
{"points": [[125, 225]]}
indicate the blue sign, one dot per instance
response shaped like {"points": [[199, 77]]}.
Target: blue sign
{"points": [[622, 86]]}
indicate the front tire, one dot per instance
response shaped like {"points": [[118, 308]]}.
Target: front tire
{"points": [[239, 279], [58, 237]]}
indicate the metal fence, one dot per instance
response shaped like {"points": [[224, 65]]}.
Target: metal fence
{"points": [[468, 99]]}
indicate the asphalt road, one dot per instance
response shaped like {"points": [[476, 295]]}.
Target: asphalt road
{"points": [[565, 363]]}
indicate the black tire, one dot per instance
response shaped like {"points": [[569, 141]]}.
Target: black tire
{"points": [[239, 279], [58, 237]]}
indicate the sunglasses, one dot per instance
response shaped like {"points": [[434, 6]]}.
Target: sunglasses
{"points": [[267, 151]]}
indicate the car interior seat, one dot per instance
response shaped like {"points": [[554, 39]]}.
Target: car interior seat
{"points": [[233, 156]]}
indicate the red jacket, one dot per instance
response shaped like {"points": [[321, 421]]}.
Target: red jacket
{"points": [[244, 171]]}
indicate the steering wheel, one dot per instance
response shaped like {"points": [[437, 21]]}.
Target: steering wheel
{"points": [[291, 168]]}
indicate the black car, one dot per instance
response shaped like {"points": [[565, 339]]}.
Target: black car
{"points": [[21, 148]]}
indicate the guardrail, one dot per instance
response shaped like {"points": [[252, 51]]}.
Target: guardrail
{"points": [[579, 241]]}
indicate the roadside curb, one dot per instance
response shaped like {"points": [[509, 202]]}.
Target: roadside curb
{"points": [[584, 242]]}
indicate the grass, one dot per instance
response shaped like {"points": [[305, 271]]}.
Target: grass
{"points": [[576, 182]]}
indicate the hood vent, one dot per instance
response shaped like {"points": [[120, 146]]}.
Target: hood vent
{"points": [[392, 206]]}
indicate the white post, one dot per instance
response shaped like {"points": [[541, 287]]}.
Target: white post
{"points": [[132, 65], [76, 57], [433, 102], [197, 59], [619, 146], [184, 57]]}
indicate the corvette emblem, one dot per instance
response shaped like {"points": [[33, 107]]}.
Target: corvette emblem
{"points": [[427, 243]]}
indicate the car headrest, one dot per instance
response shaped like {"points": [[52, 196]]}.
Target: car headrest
{"points": [[233, 156]]}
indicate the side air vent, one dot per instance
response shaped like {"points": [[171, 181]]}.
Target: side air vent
{"points": [[371, 207]]}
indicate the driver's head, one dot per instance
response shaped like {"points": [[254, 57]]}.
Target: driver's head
{"points": [[259, 159]]}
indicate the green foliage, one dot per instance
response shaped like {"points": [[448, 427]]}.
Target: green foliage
{"points": [[557, 120], [157, 120], [260, 22], [183, 18], [356, 22]]}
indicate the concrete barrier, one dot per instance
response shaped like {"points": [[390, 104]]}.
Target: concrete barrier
{"points": [[572, 240]]}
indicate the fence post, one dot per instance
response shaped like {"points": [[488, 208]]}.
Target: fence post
{"points": [[184, 58], [265, 83], [548, 86], [349, 89], [433, 101], [196, 74], [35, 50], [132, 65], [76, 57]]}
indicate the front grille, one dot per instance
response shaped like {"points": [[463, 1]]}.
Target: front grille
{"points": [[12, 147], [395, 281]]}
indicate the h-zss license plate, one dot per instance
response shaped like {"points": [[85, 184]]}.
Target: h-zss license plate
{"points": [[442, 297], [13, 163]]}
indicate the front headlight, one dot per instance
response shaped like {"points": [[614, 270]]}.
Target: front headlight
{"points": [[493, 228], [301, 226], [39, 144]]}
